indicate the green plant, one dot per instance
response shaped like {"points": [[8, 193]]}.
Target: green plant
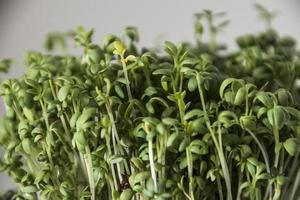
{"points": [[122, 123]]}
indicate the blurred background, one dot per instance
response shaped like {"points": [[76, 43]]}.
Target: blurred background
{"points": [[24, 24]]}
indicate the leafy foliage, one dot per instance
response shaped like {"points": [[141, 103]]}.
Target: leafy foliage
{"points": [[122, 123]]}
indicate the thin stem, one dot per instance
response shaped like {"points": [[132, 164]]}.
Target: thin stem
{"points": [[152, 165], [116, 135], [115, 183], [47, 147], [276, 137], [190, 172], [89, 167], [262, 149], [266, 158], [126, 77], [291, 172], [295, 185], [220, 188], [239, 191], [181, 112], [219, 150], [224, 165]]}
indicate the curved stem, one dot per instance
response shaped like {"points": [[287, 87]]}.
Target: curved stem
{"points": [[262, 149]]}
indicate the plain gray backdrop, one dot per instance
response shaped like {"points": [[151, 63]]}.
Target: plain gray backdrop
{"points": [[24, 23]]}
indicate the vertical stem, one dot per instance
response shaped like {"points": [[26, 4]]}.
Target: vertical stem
{"points": [[152, 165], [126, 77], [190, 172], [220, 188], [262, 149], [276, 137], [47, 148], [111, 166], [67, 131], [220, 152], [295, 185], [89, 167], [115, 135], [181, 112], [292, 170], [224, 164], [266, 159]]}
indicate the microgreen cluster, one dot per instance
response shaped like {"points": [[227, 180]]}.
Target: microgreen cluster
{"points": [[191, 122]]}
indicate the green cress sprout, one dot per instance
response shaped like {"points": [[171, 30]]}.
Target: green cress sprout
{"points": [[122, 123]]}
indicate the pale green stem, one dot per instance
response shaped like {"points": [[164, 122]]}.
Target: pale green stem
{"points": [[190, 172], [152, 165], [116, 135], [126, 77], [89, 167], [295, 185], [115, 183], [219, 150], [262, 149], [220, 188]]}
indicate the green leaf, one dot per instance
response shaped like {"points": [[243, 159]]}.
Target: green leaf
{"points": [[251, 168], [240, 96], [172, 140], [224, 85], [170, 49], [199, 126], [167, 72], [277, 117], [95, 54], [192, 84], [141, 176], [114, 159], [161, 128], [86, 114], [131, 58], [119, 48], [253, 161], [265, 99], [5, 64], [195, 113], [126, 194], [183, 163], [119, 91], [80, 140], [248, 122], [170, 121], [150, 91], [150, 108], [227, 118], [164, 82], [183, 145], [27, 145], [198, 147], [281, 180], [74, 118], [132, 33], [284, 97], [291, 146], [29, 189], [63, 93]]}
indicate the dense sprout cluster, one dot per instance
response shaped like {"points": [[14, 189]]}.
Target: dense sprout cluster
{"points": [[192, 122]]}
